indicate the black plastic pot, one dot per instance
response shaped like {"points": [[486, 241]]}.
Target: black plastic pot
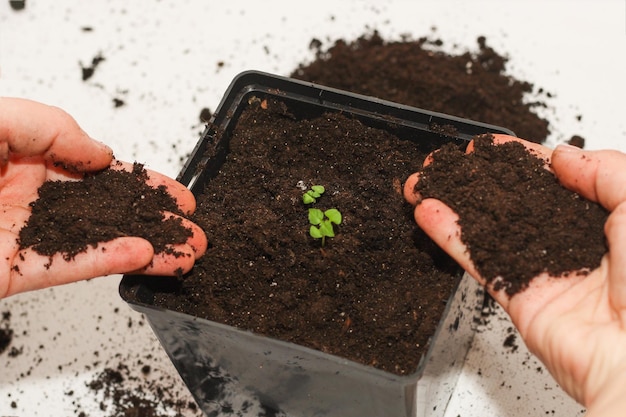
{"points": [[224, 365]]}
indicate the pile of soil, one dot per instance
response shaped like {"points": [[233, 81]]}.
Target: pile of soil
{"points": [[70, 216], [473, 85], [516, 219], [374, 293]]}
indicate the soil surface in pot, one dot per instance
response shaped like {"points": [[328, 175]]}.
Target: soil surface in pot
{"points": [[70, 216], [417, 72], [374, 293], [516, 219]]}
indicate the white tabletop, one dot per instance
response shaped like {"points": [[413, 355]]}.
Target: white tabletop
{"points": [[163, 60]]}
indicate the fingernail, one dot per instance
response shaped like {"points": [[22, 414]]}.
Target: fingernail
{"points": [[567, 148]]}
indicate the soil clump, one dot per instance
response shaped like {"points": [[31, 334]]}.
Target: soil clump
{"points": [[516, 219], [70, 216]]}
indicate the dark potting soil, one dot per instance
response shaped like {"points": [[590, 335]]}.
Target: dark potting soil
{"points": [[473, 85], [70, 216], [516, 220], [374, 293]]}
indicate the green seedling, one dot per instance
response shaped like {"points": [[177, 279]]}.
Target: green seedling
{"points": [[313, 194], [322, 223]]}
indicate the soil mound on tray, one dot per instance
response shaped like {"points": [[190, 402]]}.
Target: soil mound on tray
{"points": [[70, 216], [374, 293], [472, 85], [516, 219]]}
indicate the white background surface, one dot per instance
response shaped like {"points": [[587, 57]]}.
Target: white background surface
{"points": [[162, 59]]}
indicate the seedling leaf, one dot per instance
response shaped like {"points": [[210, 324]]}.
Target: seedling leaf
{"points": [[322, 222], [313, 194], [308, 199], [315, 232], [333, 215], [315, 216], [326, 228], [319, 189]]}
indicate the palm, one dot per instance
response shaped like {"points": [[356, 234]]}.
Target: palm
{"points": [[570, 325]]}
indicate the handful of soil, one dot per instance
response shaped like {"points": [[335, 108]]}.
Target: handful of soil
{"points": [[516, 219], [70, 216]]}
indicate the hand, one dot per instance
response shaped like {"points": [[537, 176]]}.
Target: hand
{"points": [[39, 143], [576, 325]]}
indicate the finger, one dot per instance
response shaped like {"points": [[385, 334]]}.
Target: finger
{"points": [[177, 259], [409, 189], [615, 232], [183, 196], [8, 248], [32, 271], [597, 175], [28, 128], [198, 240], [409, 186], [441, 224], [600, 176]]}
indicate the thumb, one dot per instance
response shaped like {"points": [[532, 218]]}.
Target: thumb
{"points": [[600, 176], [597, 175], [615, 231], [49, 132], [32, 271]]}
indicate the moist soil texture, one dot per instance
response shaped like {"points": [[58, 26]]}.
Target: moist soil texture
{"points": [[516, 219], [374, 293], [416, 72], [70, 216]]}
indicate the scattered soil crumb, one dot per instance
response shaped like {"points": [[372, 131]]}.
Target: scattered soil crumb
{"points": [[205, 115], [89, 70], [118, 102], [577, 141], [6, 333], [511, 340], [17, 5], [123, 393]]}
